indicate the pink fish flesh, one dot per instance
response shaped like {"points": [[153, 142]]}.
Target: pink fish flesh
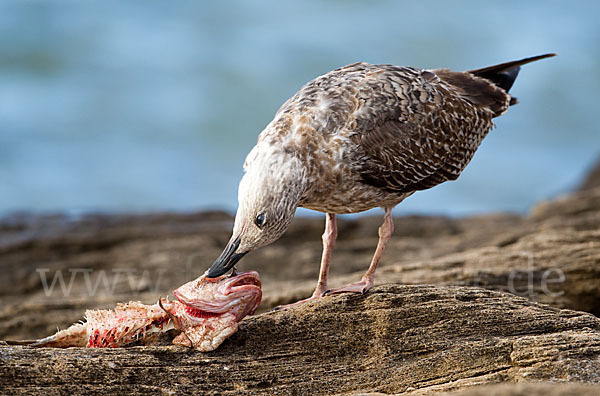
{"points": [[206, 311]]}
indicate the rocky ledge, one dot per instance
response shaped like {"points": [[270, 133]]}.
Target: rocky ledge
{"points": [[459, 302], [395, 339]]}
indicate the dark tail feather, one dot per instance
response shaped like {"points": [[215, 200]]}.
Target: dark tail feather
{"points": [[505, 74]]}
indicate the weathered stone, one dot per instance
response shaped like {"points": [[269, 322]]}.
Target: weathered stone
{"points": [[392, 340], [531, 389], [507, 389], [592, 179], [553, 256]]}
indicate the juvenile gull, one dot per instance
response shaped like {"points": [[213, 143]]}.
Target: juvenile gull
{"points": [[360, 137]]}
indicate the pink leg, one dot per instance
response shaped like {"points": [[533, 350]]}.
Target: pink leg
{"points": [[329, 237], [366, 283]]}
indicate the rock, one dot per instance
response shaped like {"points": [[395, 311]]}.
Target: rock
{"points": [[551, 256], [413, 339], [510, 389], [103, 259], [392, 340], [556, 268], [592, 179], [531, 389]]}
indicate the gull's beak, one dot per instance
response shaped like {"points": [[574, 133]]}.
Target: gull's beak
{"points": [[226, 260]]}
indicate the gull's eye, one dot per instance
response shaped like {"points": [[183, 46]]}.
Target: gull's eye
{"points": [[260, 220]]}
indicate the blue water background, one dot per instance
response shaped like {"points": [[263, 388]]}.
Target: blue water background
{"points": [[153, 105]]}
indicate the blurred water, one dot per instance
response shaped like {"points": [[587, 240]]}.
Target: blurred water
{"points": [[119, 105]]}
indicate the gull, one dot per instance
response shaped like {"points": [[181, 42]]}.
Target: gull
{"points": [[359, 137]]}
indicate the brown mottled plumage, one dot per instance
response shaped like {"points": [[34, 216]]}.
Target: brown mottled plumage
{"points": [[359, 137]]}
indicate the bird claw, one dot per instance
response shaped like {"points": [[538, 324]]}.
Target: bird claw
{"points": [[362, 287], [315, 296]]}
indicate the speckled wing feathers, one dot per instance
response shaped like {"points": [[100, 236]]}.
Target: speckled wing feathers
{"points": [[370, 135], [417, 128]]}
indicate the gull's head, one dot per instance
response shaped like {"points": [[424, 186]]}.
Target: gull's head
{"points": [[268, 196]]}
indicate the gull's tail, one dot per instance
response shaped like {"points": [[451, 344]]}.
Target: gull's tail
{"points": [[505, 74]]}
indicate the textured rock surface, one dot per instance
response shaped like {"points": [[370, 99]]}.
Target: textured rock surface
{"points": [[531, 389], [111, 258], [592, 179], [551, 256], [395, 340], [392, 340]]}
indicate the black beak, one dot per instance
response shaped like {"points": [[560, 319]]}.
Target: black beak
{"points": [[226, 260]]}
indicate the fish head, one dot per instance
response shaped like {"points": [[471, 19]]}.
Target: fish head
{"points": [[208, 310], [238, 294]]}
